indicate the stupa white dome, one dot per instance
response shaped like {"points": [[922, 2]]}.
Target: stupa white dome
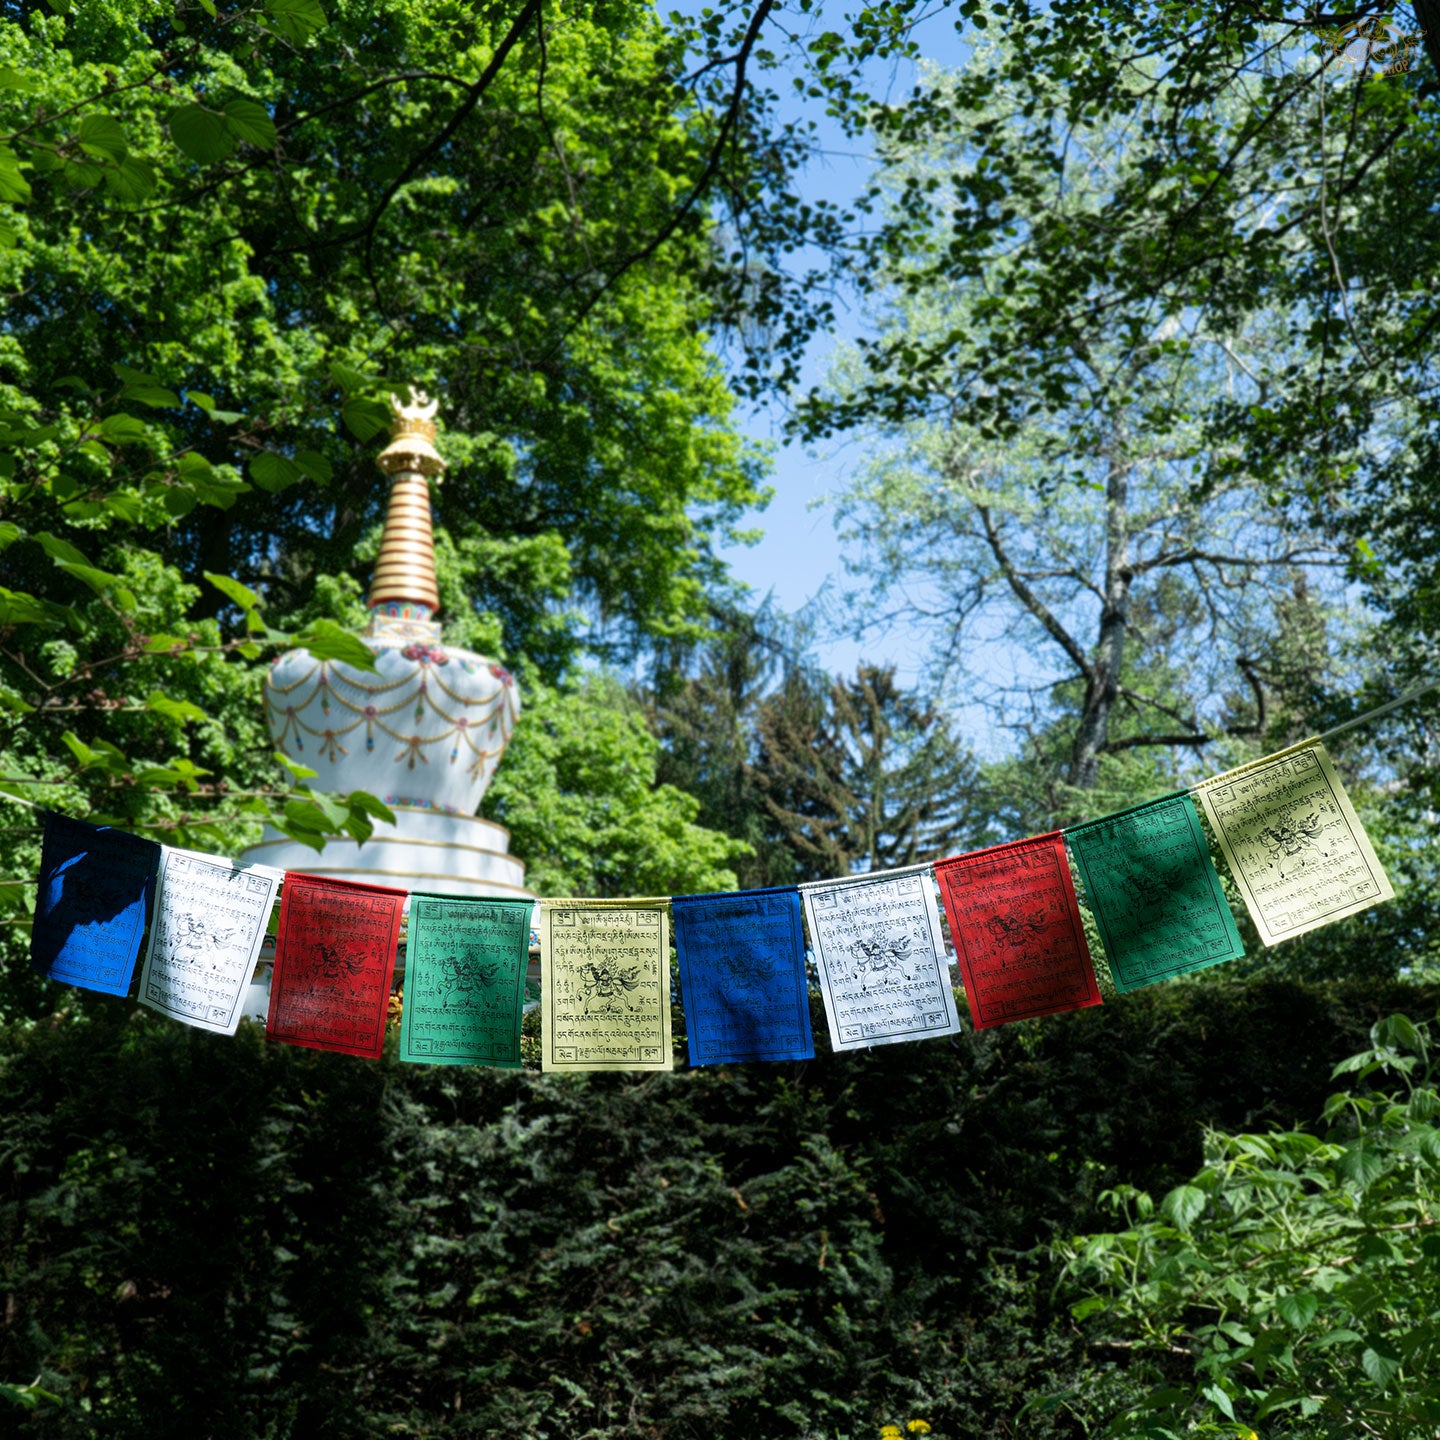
{"points": [[424, 732]]}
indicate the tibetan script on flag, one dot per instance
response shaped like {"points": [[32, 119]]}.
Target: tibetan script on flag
{"points": [[1017, 931], [465, 981], [334, 959], [1294, 843], [881, 960], [605, 985], [210, 920], [96, 888], [742, 976], [1154, 893]]}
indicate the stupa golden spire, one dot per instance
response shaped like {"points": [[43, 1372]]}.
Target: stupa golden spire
{"points": [[404, 581]]}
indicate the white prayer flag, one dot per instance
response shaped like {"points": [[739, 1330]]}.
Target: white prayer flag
{"points": [[881, 959], [210, 920]]}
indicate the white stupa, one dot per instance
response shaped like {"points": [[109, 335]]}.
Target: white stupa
{"points": [[424, 734]]}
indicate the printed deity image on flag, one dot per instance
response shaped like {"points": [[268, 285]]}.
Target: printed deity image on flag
{"points": [[742, 976], [465, 981], [334, 959], [1156, 898], [1017, 931], [1294, 843], [881, 960], [605, 985], [210, 919]]}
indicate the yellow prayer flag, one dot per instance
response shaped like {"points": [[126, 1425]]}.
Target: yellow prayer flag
{"points": [[1293, 842], [605, 985]]}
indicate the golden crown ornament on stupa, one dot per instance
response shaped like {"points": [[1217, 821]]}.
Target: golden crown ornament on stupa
{"points": [[424, 730]]}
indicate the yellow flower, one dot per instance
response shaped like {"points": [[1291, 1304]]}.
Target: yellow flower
{"points": [[922, 1427], [889, 1432]]}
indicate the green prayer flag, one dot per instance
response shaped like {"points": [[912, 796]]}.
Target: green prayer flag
{"points": [[465, 981], [1155, 895]]}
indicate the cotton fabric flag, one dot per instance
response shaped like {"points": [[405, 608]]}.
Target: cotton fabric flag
{"points": [[1016, 927], [605, 985], [334, 960], [465, 965], [881, 959], [210, 921], [742, 976], [1155, 895], [1293, 842], [95, 892]]}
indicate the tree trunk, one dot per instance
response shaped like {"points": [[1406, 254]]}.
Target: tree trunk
{"points": [[1102, 688]]}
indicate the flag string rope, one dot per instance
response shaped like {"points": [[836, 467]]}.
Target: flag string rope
{"points": [[1423, 687]]}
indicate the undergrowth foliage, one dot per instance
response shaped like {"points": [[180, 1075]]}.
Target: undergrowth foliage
{"points": [[234, 1240]]}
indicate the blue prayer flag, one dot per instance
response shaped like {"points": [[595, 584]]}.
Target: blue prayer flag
{"points": [[742, 976], [96, 888]]}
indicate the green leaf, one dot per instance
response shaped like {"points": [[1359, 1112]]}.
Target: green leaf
{"points": [[9, 235], [251, 122], [132, 179], [201, 134], [1381, 1365], [9, 533], [274, 472], [325, 640], [12, 79], [348, 379], [13, 185], [123, 429], [1182, 1206], [1361, 1165], [1298, 1308], [296, 20], [156, 396], [102, 583], [12, 702], [197, 397], [103, 137], [58, 549], [1218, 1398], [370, 805], [299, 771], [315, 465], [242, 595], [18, 608], [365, 419], [182, 710]]}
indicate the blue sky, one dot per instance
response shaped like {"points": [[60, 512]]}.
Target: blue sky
{"points": [[800, 553]]}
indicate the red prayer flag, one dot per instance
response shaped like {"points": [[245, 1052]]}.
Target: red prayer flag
{"points": [[1016, 929], [334, 960]]}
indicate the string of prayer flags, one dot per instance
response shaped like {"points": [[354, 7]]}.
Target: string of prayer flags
{"points": [[1154, 893], [96, 887], [465, 981], [1017, 931], [605, 983], [210, 921], [742, 976], [1293, 842], [881, 960], [334, 959]]}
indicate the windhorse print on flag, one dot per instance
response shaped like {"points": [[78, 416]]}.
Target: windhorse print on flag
{"points": [[605, 985], [96, 887], [334, 960], [1017, 931], [465, 965], [742, 976], [210, 920], [881, 960], [1155, 896], [1294, 843]]}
